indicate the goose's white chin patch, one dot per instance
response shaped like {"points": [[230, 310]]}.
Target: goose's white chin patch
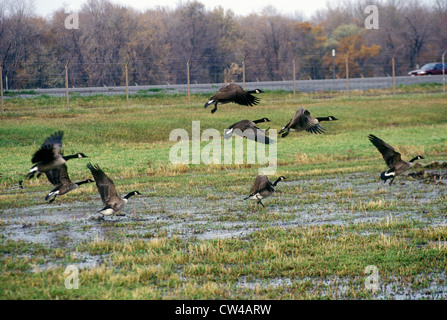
{"points": [[389, 174]]}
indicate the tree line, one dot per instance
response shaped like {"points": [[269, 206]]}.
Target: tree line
{"points": [[157, 43]]}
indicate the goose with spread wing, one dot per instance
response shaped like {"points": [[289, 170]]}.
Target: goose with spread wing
{"points": [[49, 156], [302, 120], [263, 188], [113, 203], [250, 130], [392, 158], [232, 92], [62, 183]]}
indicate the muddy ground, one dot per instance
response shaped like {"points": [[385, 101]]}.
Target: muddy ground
{"points": [[228, 215], [342, 199]]}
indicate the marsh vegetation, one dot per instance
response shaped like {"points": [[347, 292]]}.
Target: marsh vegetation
{"points": [[191, 236]]}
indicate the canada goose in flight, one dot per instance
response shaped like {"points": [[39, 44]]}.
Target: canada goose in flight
{"points": [[61, 181], [302, 120], [49, 156], [249, 130], [232, 92], [392, 159], [106, 188], [263, 188]]}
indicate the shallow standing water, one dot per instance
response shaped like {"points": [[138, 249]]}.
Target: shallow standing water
{"points": [[340, 200]]}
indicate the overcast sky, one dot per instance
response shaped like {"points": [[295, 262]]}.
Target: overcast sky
{"points": [[239, 7]]}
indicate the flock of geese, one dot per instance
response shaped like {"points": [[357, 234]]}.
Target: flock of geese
{"points": [[48, 159]]}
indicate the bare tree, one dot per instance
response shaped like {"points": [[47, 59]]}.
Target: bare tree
{"points": [[157, 43], [21, 45]]}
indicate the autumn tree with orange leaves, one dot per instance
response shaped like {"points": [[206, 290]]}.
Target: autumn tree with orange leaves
{"points": [[352, 46], [157, 43]]}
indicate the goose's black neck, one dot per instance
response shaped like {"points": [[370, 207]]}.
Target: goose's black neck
{"points": [[276, 181], [259, 120], [323, 119], [70, 157], [84, 181], [130, 194], [414, 159]]}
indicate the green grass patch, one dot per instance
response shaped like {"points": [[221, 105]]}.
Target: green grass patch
{"points": [[313, 240]]}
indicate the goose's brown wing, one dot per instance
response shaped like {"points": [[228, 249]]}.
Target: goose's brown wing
{"points": [[262, 138], [251, 131], [225, 92], [309, 123], [105, 185], [295, 120], [241, 125], [390, 155], [54, 176], [233, 92], [256, 134], [58, 176], [244, 98], [259, 184], [50, 149], [65, 179]]}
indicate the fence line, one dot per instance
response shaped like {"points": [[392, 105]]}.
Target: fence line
{"points": [[443, 72], [97, 73], [127, 82], [1, 88], [294, 76], [187, 76], [243, 72], [347, 75], [394, 76], [315, 83], [66, 85]]}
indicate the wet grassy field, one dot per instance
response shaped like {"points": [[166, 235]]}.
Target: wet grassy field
{"points": [[190, 235]]}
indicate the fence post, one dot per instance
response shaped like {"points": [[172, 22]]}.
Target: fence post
{"points": [[127, 82], [347, 75], [243, 72], [187, 78], [294, 75], [394, 75], [443, 72], [66, 85], [333, 64], [1, 87]]}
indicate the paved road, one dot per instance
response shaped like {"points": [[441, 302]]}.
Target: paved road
{"points": [[301, 86]]}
